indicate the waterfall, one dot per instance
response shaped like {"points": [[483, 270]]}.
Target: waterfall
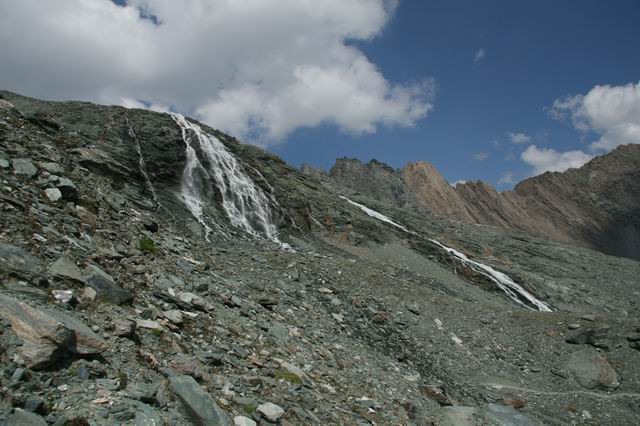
{"points": [[246, 205], [513, 290], [503, 281], [141, 163]]}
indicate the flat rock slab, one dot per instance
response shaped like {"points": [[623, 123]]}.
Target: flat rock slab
{"points": [[48, 335], [64, 268], [24, 167], [17, 260], [592, 370], [106, 286], [197, 403]]}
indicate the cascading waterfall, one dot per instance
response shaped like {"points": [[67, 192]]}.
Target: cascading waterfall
{"points": [[513, 290], [246, 205]]}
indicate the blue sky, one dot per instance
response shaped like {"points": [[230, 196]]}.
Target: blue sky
{"points": [[535, 52], [521, 87]]}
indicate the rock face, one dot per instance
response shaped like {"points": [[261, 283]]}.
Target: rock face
{"points": [[596, 206]]}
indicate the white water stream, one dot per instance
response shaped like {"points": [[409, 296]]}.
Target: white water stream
{"points": [[141, 163], [246, 205], [512, 289]]}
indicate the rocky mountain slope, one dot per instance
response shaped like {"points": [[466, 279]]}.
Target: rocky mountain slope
{"points": [[596, 206], [156, 271]]}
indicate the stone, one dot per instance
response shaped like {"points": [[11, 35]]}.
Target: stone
{"points": [[86, 216], [124, 327], [633, 337], [149, 324], [592, 370], [588, 317], [48, 335], [105, 286], [63, 296], [25, 418], [504, 415], [271, 411], [591, 336], [53, 194], [17, 260], [174, 315], [24, 167], [53, 168], [67, 188], [4, 164], [144, 392], [296, 371], [198, 405], [243, 421], [413, 307], [34, 404], [187, 366], [64, 268]]}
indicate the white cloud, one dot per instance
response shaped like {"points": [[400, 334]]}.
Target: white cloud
{"points": [[549, 160], [458, 182], [481, 156], [259, 69], [518, 138], [612, 112], [480, 54], [507, 178]]}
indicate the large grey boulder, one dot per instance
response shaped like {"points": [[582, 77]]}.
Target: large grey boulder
{"points": [[592, 370], [48, 335], [106, 286], [198, 405]]}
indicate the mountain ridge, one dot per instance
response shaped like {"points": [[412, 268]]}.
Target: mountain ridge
{"points": [[595, 206]]}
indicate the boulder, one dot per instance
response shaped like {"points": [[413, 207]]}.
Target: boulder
{"points": [[25, 418], [106, 286], [24, 167], [53, 194], [271, 411], [592, 370], [66, 187], [198, 405], [64, 268], [48, 335], [18, 261]]}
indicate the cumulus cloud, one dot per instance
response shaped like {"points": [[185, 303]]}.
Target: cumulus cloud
{"points": [[612, 112], [480, 54], [458, 182], [258, 69], [481, 156], [518, 138], [549, 160]]}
